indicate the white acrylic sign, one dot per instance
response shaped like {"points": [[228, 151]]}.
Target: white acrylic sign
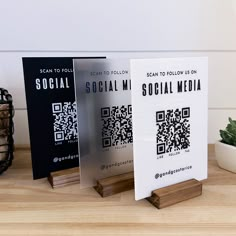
{"points": [[169, 105]]}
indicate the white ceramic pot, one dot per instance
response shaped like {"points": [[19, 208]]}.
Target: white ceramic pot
{"points": [[226, 156]]}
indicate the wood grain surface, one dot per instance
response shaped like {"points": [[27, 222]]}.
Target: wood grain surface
{"points": [[29, 207]]}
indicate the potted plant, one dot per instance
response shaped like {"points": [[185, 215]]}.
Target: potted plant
{"points": [[225, 149]]}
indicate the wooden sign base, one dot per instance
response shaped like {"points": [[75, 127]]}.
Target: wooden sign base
{"points": [[115, 184], [173, 194], [64, 177]]}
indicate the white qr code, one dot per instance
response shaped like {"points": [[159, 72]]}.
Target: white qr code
{"points": [[65, 121]]}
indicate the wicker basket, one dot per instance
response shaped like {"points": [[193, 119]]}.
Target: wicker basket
{"points": [[6, 130]]}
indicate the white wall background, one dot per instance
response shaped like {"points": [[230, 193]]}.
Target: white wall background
{"points": [[121, 28]]}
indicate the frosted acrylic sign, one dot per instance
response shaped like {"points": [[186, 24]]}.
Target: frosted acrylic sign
{"points": [[105, 118]]}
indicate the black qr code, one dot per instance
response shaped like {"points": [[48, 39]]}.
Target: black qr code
{"points": [[173, 130], [116, 125], [65, 121]]}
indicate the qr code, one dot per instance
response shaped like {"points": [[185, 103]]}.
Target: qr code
{"points": [[173, 130], [116, 125], [65, 121]]}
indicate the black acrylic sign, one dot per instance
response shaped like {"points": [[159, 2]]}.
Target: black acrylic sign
{"points": [[52, 117]]}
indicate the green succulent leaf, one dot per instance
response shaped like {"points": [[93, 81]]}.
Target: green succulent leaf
{"points": [[226, 137], [231, 129], [232, 122], [229, 134]]}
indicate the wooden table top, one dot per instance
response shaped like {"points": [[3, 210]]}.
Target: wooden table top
{"points": [[30, 207]]}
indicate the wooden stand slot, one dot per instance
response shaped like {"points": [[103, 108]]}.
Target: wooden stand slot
{"points": [[115, 184], [173, 194], [64, 177]]}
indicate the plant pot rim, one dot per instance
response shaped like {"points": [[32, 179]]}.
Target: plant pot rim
{"points": [[225, 144]]}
